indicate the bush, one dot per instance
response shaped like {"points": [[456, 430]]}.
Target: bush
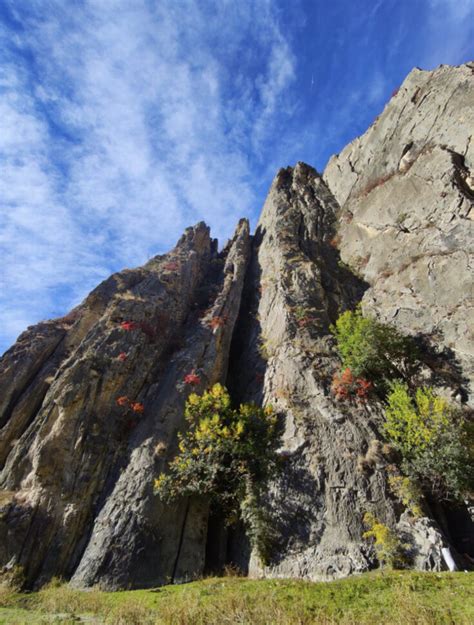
{"points": [[371, 349], [408, 492], [388, 547], [345, 386], [226, 455], [433, 440]]}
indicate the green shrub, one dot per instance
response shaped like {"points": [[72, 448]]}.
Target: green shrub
{"points": [[388, 547], [408, 492], [371, 349], [227, 456], [433, 439]]}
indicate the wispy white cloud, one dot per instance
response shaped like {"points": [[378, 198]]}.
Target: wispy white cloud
{"points": [[120, 124], [124, 121], [449, 32]]}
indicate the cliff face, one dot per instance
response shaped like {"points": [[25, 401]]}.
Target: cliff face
{"points": [[78, 467], [406, 191], [296, 289], [91, 403]]}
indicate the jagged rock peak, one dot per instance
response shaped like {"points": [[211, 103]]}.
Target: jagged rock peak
{"points": [[299, 199], [431, 109], [195, 237], [88, 406]]}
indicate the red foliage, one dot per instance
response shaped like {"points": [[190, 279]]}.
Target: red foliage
{"points": [[345, 386], [395, 92], [171, 266], [129, 325], [335, 241], [122, 356], [217, 322], [192, 378], [122, 401], [137, 406], [305, 321], [363, 388]]}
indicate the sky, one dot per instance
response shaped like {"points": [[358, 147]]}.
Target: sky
{"points": [[122, 122]]}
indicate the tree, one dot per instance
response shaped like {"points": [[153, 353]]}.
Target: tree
{"points": [[226, 455], [435, 441], [372, 350]]}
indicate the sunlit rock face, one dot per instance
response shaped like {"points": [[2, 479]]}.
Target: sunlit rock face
{"points": [[90, 404], [296, 288], [406, 219]]}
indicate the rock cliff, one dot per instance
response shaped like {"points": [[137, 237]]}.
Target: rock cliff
{"points": [[91, 403], [406, 191]]}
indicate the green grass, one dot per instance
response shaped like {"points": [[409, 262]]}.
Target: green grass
{"points": [[388, 598]]}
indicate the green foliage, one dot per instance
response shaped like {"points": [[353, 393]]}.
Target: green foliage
{"points": [[227, 456], [371, 349], [433, 438], [388, 547], [408, 492]]}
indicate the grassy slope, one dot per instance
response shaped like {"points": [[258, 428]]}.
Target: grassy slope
{"points": [[404, 598]]}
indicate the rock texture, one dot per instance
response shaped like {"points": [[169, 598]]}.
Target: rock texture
{"points": [[298, 290], [78, 468], [406, 193], [90, 404]]}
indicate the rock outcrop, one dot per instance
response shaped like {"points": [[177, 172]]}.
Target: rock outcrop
{"points": [[108, 399], [406, 220], [296, 289], [90, 404]]}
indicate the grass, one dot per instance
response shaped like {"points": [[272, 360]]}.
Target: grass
{"points": [[391, 598]]}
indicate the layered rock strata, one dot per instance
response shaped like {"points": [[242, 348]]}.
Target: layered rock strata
{"points": [[406, 191]]}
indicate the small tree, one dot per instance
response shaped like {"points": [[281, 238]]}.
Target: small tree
{"points": [[433, 439], [371, 349], [227, 456]]}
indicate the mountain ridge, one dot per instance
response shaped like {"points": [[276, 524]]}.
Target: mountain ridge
{"points": [[78, 461]]}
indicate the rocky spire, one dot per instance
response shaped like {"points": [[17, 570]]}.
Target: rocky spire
{"points": [[90, 404], [109, 396]]}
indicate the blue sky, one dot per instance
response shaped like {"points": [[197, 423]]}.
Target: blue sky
{"points": [[124, 121]]}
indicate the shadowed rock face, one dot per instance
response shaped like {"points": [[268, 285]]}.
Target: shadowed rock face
{"points": [[77, 467]]}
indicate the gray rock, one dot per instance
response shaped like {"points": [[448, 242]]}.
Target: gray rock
{"points": [[406, 219], [77, 468], [81, 471], [287, 359]]}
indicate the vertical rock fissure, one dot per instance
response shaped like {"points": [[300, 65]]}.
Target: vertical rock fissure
{"points": [[181, 539]]}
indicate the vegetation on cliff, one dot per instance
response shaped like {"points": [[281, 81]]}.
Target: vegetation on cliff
{"points": [[226, 455], [434, 439]]}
